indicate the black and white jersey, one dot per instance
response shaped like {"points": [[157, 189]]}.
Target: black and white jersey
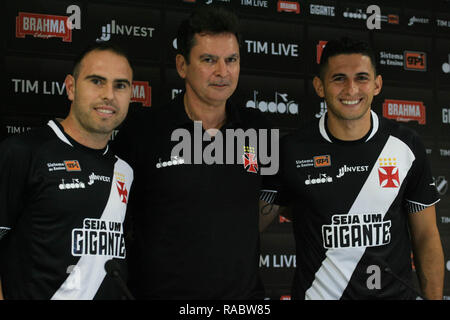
{"points": [[194, 225], [62, 207], [351, 201]]}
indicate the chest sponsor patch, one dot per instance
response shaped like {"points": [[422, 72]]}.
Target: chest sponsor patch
{"points": [[99, 238], [356, 230]]}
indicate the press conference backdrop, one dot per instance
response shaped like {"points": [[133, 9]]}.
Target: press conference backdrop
{"points": [[282, 41]]}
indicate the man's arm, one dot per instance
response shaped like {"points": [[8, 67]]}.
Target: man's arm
{"points": [[428, 253]]}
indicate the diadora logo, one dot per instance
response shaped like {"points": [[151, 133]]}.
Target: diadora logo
{"points": [[250, 160], [288, 6], [415, 61], [116, 29], [121, 188], [142, 93], [174, 161], [72, 165], [320, 179], [283, 105], [354, 13], [388, 173], [73, 184], [322, 161]]}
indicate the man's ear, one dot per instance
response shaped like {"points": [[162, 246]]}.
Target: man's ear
{"points": [[378, 84], [181, 63], [318, 86], [70, 86]]}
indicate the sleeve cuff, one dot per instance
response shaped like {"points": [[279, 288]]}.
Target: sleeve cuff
{"points": [[413, 207], [268, 196]]}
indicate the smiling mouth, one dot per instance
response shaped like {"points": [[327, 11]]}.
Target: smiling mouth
{"points": [[351, 102], [105, 110]]}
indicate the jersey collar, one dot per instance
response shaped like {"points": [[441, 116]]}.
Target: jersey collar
{"points": [[59, 131], [324, 132]]}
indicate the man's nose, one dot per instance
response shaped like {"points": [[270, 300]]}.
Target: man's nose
{"points": [[351, 87], [221, 68], [108, 92]]}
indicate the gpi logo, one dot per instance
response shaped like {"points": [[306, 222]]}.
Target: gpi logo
{"points": [[72, 165], [388, 173], [322, 161]]}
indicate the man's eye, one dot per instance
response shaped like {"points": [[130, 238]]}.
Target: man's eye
{"points": [[96, 81], [121, 86], [208, 60]]}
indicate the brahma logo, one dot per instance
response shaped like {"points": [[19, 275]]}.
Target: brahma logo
{"points": [[43, 26], [322, 161], [121, 188], [250, 160], [72, 165], [415, 61], [288, 6], [142, 93], [402, 110], [388, 173]]}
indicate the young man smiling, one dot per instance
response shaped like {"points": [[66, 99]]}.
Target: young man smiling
{"points": [[360, 191], [61, 190]]}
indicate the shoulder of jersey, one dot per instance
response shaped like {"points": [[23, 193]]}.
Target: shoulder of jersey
{"points": [[308, 132], [254, 118], [397, 129], [34, 138]]}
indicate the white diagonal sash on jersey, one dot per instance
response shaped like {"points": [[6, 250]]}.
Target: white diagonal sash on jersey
{"points": [[89, 271], [336, 270]]}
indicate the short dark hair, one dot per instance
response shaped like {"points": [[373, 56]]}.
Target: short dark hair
{"points": [[209, 20], [345, 45], [99, 46]]}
